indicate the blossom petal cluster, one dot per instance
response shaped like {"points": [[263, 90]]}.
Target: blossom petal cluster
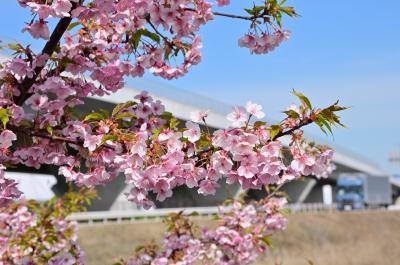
{"points": [[264, 42], [97, 44], [241, 236], [143, 142], [124, 38], [26, 238], [93, 48]]}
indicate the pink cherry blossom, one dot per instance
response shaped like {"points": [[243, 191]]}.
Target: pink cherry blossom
{"points": [[265, 42], [38, 30], [238, 117], [247, 169], [92, 141], [8, 190], [110, 41], [61, 8], [303, 163], [43, 11], [254, 109], [199, 116], [19, 67], [221, 162], [6, 139], [223, 2], [36, 101], [193, 132], [208, 187]]}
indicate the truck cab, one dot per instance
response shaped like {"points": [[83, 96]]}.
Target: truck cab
{"points": [[358, 191], [350, 195]]}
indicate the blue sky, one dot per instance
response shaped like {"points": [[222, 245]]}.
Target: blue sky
{"points": [[347, 50]]}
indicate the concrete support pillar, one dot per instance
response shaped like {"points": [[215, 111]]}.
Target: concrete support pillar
{"points": [[306, 190]]}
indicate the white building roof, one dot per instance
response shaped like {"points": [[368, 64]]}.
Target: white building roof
{"points": [[34, 186]]}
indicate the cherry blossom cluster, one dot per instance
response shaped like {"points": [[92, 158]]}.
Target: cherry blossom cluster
{"points": [[241, 236], [93, 47], [28, 238], [39, 91], [41, 234], [143, 142], [106, 35], [264, 42]]}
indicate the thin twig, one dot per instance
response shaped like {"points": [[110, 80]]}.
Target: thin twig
{"points": [[251, 18], [270, 195], [157, 31], [295, 128]]}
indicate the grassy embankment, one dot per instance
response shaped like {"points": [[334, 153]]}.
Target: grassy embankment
{"points": [[364, 238]]}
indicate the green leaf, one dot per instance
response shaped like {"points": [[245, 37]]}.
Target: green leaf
{"points": [[278, 19], [302, 98], [203, 142], [96, 116], [267, 241], [14, 46], [135, 38], [122, 106], [258, 124], [330, 116], [326, 124], [249, 11], [105, 113], [194, 213], [288, 10], [50, 130], [4, 117], [258, 9], [274, 130], [173, 123], [292, 114], [321, 126], [151, 35], [137, 35], [166, 115], [124, 115], [108, 137], [73, 25]]}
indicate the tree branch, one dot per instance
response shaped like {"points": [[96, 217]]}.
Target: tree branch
{"points": [[48, 49], [32, 133], [295, 128], [251, 18], [156, 30]]}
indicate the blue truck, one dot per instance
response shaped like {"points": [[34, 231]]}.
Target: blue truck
{"points": [[360, 191]]}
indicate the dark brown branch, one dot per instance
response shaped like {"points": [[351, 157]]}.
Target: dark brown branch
{"points": [[295, 128], [32, 133], [277, 189], [156, 30], [251, 18], [48, 49]]}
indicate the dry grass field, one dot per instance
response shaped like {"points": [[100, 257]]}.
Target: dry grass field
{"points": [[352, 238]]}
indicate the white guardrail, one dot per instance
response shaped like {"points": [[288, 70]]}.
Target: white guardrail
{"points": [[155, 215]]}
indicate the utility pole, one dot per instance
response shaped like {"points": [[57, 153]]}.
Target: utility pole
{"points": [[394, 157]]}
